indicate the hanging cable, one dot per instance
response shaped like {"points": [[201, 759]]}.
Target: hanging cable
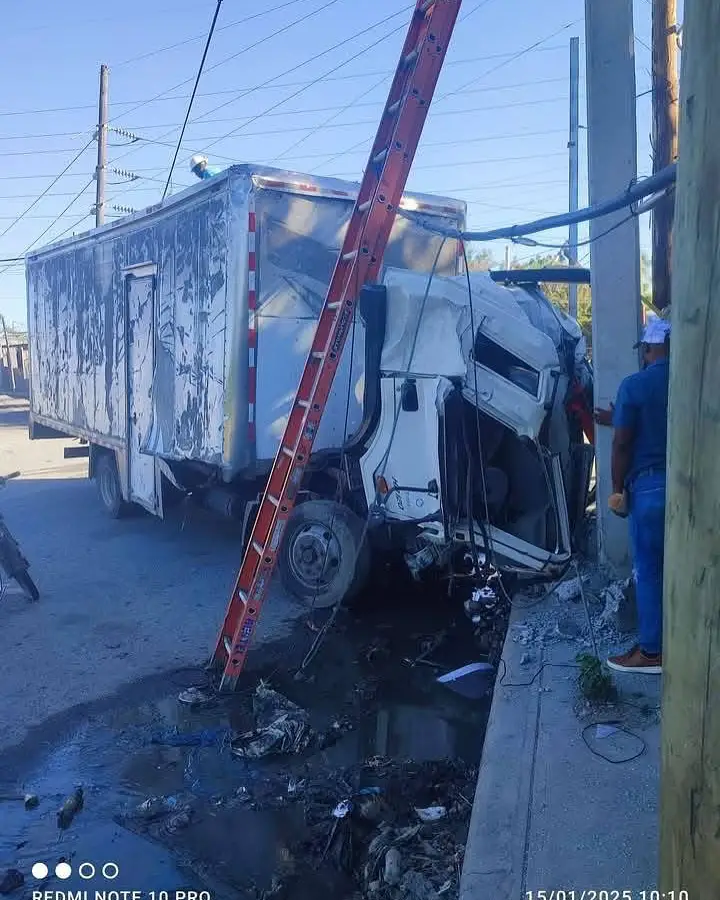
{"points": [[192, 95], [47, 189]]}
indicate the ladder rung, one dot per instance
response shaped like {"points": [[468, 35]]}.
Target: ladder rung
{"points": [[378, 158], [318, 354], [258, 548], [274, 500], [351, 255], [335, 304], [411, 57], [304, 404], [227, 643], [363, 206], [391, 110], [287, 451]]}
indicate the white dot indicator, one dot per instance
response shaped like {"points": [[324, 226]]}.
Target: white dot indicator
{"points": [[40, 871], [63, 870], [110, 870]]}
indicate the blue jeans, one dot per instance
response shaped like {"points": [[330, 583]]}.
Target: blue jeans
{"points": [[647, 536]]}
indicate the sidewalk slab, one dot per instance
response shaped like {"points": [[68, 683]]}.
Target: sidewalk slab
{"points": [[549, 814]]}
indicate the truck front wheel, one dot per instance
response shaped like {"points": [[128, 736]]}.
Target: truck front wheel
{"points": [[325, 555]]}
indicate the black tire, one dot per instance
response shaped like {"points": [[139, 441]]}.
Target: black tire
{"points": [[27, 584], [108, 485], [324, 532]]}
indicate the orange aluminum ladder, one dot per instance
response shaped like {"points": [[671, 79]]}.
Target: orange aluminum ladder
{"points": [[359, 263]]}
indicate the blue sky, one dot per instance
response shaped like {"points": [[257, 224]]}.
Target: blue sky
{"points": [[496, 135]]}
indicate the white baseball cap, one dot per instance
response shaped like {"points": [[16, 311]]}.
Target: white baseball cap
{"points": [[656, 331]]}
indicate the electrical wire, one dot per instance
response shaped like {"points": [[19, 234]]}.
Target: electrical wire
{"points": [[227, 59], [192, 95], [513, 58], [47, 189], [152, 53]]}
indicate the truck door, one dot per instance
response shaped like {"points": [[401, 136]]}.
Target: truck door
{"points": [[142, 473]]}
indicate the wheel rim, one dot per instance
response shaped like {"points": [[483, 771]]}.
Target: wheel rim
{"points": [[107, 487], [315, 556]]}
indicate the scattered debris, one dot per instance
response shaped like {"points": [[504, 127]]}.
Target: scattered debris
{"points": [[472, 681], [72, 805], [393, 863], [431, 814], [281, 727], [12, 880], [604, 730], [31, 801], [416, 886], [568, 590], [196, 696], [612, 596]]}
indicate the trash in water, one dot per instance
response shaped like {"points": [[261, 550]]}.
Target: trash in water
{"points": [[604, 731], [393, 862], [155, 808], [472, 681], [70, 808], [207, 737], [12, 880], [196, 696], [169, 812], [31, 801], [431, 814], [281, 727], [416, 886], [344, 808]]}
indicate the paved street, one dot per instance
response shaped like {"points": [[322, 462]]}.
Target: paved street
{"points": [[120, 600]]}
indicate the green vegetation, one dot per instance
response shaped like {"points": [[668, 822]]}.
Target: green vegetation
{"points": [[594, 682]]}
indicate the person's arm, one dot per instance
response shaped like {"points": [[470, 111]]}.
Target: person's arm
{"points": [[624, 424]]}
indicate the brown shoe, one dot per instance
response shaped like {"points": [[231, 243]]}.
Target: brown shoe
{"points": [[636, 660]]}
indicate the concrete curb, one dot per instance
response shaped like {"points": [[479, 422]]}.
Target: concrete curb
{"points": [[495, 853]]}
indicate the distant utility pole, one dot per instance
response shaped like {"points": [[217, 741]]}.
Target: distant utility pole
{"points": [[690, 772], [7, 349], [573, 162], [615, 270], [102, 133], [665, 143]]}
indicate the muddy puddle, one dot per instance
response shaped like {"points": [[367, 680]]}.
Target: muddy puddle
{"points": [[385, 740]]}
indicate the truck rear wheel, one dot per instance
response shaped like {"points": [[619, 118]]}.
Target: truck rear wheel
{"points": [[108, 485], [325, 555]]}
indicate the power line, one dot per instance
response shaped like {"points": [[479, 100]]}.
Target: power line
{"points": [[455, 91], [47, 189], [246, 49], [356, 101], [192, 96], [479, 162], [199, 37], [294, 68], [347, 77]]}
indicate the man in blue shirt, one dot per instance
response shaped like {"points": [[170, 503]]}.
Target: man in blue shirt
{"points": [[639, 419]]}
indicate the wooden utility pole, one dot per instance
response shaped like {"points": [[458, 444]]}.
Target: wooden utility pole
{"points": [[102, 134], [690, 779], [665, 142]]}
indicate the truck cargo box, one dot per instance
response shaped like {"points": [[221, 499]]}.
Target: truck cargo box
{"points": [[179, 333]]}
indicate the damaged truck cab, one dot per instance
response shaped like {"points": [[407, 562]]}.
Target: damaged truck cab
{"points": [[171, 342]]}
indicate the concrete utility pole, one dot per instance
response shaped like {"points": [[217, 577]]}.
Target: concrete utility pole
{"points": [[101, 169], [665, 148], [615, 269], [573, 163], [690, 778], [7, 350]]}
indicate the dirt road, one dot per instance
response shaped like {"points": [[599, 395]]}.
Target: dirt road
{"points": [[120, 600]]}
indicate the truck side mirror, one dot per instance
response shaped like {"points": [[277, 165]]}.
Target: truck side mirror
{"points": [[409, 396]]}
